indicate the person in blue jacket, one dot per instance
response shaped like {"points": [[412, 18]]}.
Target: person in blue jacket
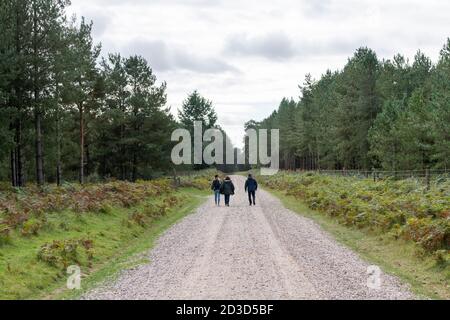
{"points": [[215, 186], [251, 186]]}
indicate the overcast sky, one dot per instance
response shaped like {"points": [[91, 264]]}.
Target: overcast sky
{"points": [[246, 55]]}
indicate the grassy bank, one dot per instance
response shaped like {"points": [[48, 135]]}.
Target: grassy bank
{"points": [[103, 238], [390, 246]]}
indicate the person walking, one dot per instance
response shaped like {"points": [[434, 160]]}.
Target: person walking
{"points": [[251, 186], [227, 189], [215, 186]]}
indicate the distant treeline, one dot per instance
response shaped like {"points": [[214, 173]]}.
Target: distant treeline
{"points": [[390, 114], [67, 114]]}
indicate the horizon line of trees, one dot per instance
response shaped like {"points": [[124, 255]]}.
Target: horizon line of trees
{"points": [[372, 114], [68, 114]]}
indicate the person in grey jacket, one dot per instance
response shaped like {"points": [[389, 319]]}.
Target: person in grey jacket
{"points": [[227, 189], [251, 186]]}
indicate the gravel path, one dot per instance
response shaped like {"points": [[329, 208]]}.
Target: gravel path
{"points": [[242, 252]]}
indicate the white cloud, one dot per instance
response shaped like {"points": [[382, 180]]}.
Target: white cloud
{"points": [[275, 45], [247, 55], [165, 57]]}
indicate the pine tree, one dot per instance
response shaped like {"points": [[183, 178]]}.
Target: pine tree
{"points": [[146, 101], [440, 100], [15, 23], [197, 108], [46, 19], [83, 81], [358, 106]]}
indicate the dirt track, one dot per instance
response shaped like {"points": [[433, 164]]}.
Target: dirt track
{"points": [[243, 252]]}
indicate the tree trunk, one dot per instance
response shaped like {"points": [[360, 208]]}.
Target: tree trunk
{"points": [[58, 151], [88, 159], [13, 168], [122, 164], [37, 111], [58, 174], [38, 140], [19, 175], [13, 159], [80, 108], [19, 157], [134, 173], [39, 157], [318, 158]]}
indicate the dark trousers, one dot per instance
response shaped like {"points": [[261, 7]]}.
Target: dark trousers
{"points": [[227, 199], [252, 197]]}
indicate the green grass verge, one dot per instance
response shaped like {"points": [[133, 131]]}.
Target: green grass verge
{"points": [[396, 257], [116, 247]]}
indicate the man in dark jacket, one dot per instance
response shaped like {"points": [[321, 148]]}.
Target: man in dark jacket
{"points": [[251, 186], [227, 189], [215, 186]]}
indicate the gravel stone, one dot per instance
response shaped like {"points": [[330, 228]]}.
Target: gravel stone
{"points": [[242, 252]]}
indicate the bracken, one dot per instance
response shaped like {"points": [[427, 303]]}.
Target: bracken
{"points": [[26, 208], [401, 208]]}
